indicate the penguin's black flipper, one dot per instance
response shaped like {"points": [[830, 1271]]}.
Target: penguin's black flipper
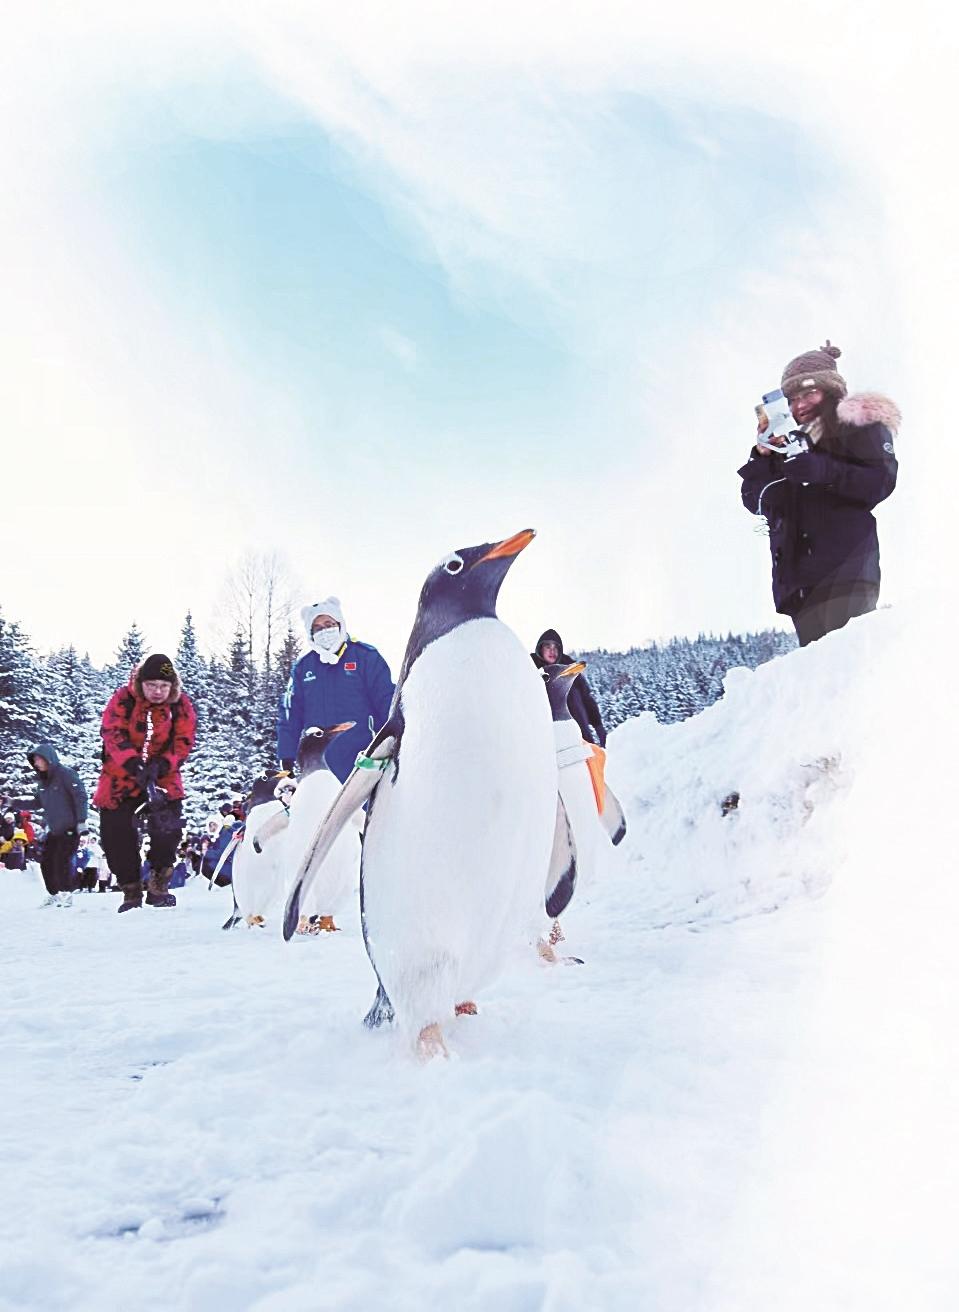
{"points": [[381, 1012], [561, 880], [612, 818], [233, 919], [359, 787], [291, 915]]}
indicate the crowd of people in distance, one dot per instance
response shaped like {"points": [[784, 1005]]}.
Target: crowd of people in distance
{"points": [[815, 490]]}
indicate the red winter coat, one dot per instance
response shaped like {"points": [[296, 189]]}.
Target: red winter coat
{"points": [[127, 743]]}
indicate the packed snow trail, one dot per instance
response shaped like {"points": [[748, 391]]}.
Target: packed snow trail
{"points": [[742, 1099]]}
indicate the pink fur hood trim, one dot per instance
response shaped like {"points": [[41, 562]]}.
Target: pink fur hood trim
{"points": [[869, 408]]}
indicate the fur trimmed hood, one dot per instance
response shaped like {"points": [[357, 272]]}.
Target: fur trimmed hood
{"points": [[136, 687], [864, 408]]}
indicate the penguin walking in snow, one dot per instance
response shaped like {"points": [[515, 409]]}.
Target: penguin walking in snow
{"points": [[463, 813], [590, 805], [316, 790], [259, 872]]}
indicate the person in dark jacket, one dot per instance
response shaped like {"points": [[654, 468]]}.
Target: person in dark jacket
{"points": [[582, 704], [338, 679], [818, 504], [62, 798], [148, 729]]}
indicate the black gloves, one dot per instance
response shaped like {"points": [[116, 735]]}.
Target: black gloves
{"points": [[808, 467]]}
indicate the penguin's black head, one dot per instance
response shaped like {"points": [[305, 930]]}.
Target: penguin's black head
{"points": [[463, 586], [311, 753], [559, 680], [263, 790]]}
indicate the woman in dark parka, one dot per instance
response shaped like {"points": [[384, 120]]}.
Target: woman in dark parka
{"points": [[582, 705], [818, 504]]}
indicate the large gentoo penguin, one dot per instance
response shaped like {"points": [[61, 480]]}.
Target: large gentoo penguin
{"points": [[316, 790], [463, 802], [259, 875], [591, 808]]}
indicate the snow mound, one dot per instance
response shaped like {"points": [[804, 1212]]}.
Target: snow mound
{"points": [[752, 802]]}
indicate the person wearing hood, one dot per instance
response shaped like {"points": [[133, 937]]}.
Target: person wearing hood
{"points": [[148, 730], [338, 679], [582, 704], [818, 504], [62, 798]]}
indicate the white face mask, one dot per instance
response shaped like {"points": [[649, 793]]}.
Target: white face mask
{"points": [[327, 640]]}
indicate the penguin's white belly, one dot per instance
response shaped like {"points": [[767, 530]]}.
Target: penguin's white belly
{"points": [[576, 790], [457, 847], [259, 877], [339, 876]]}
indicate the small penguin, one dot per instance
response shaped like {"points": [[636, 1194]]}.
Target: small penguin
{"points": [[462, 790], [316, 790], [259, 883], [590, 808]]}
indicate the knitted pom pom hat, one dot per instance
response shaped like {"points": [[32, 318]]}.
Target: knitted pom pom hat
{"points": [[815, 369]]}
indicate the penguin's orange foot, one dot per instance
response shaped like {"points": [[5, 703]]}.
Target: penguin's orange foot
{"points": [[466, 1009], [430, 1043], [545, 950], [326, 925], [255, 920], [556, 934], [304, 926]]}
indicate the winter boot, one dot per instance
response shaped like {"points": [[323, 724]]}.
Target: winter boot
{"points": [[158, 888], [50, 900], [64, 899], [132, 897]]}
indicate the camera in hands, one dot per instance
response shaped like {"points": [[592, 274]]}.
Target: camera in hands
{"points": [[778, 430]]}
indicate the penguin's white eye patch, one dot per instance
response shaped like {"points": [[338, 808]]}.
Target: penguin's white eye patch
{"points": [[453, 565]]}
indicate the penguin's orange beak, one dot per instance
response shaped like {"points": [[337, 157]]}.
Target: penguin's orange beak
{"points": [[341, 728], [570, 670], [511, 546]]}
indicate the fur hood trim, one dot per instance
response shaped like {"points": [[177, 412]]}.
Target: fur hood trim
{"points": [[864, 408], [136, 687]]}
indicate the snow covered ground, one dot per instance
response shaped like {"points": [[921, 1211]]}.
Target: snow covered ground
{"points": [[745, 1099]]}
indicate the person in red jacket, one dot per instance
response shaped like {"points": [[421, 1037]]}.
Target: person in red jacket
{"points": [[148, 729]]}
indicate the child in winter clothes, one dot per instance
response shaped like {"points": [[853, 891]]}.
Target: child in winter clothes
{"points": [[818, 505]]}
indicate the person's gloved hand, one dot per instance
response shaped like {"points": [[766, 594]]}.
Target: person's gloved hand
{"points": [[808, 467], [156, 798]]}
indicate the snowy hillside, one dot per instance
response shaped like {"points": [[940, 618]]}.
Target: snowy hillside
{"points": [[745, 1099]]}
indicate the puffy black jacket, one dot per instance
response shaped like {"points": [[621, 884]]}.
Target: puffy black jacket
{"points": [[581, 703], [819, 506]]}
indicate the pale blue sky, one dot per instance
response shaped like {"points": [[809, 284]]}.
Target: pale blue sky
{"points": [[292, 290]]}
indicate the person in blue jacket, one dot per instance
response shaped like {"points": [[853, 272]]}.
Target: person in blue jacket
{"points": [[338, 679]]}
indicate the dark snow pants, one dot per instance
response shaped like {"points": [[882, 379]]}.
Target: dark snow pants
{"points": [[831, 606], [120, 837], [56, 864]]}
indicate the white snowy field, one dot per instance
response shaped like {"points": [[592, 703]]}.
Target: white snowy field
{"points": [[744, 1099]]}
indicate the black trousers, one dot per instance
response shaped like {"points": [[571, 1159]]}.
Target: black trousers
{"points": [[120, 837], [56, 864], [830, 606]]}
